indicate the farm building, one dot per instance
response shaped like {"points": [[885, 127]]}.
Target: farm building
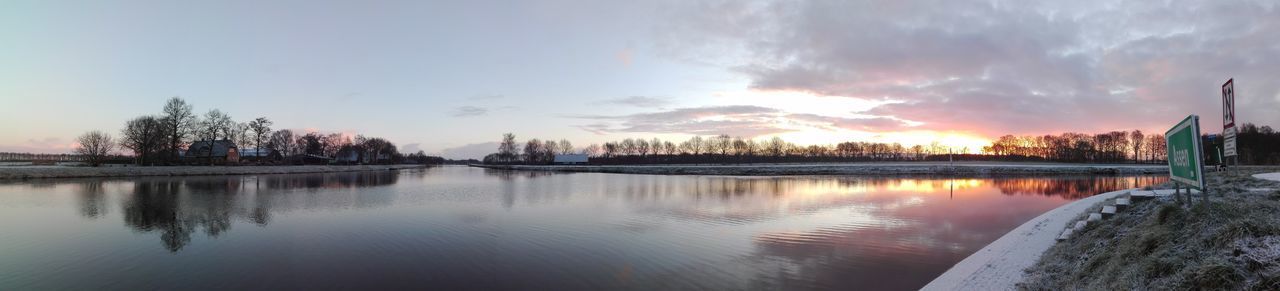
{"points": [[259, 155], [571, 159], [215, 152]]}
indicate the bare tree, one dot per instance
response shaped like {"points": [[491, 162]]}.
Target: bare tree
{"points": [[282, 142], [532, 151], [549, 150], [261, 127], [592, 150], [95, 146], [334, 142], [565, 147], [145, 136], [215, 125], [776, 147], [724, 144], [179, 123], [507, 149], [1135, 141], [242, 134], [642, 147], [628, 146]]}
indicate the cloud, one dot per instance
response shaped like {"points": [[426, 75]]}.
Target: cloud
{"points": [[638, 101], [468, 111], [735, 120], [470, 151], [1000, 67]]}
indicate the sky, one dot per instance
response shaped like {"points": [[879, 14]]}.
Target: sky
{"points": [[449, 77]]}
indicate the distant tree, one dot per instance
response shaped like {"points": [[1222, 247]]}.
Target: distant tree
{"points": [[242, 134], [334, 142], [642, 147], [549, 150], [507, 149], [610, 149], [565, 147], [592, 150], [776, 146], [215, 126], [693, 145], [282, 142], [145, 136], [739, 146], [179, 123], [1135, 142], [260, 127], [533, 151], [375, 148], [628, 147], [724, 143], [311, 143], [95, 146]]}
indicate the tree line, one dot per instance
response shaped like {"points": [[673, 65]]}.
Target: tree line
{"points": [[1258, 145], [162, 138], [711, 149]]}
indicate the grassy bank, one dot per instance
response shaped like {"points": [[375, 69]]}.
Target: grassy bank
{"points": [[47, 172], [1231, 242]]}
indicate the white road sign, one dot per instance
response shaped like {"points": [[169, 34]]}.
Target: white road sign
{"points": [[1229, 118]]}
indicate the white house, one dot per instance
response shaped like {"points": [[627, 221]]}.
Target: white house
{"points": [[571, 159]]}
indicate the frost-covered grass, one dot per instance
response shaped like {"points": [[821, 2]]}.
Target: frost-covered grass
{"points": [[1232, 242], [41, 172]]}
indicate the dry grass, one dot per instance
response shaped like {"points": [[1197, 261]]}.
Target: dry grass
{"points": [[1230, 243]]}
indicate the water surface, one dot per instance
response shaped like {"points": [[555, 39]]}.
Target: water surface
{"points": [[469, 228]]}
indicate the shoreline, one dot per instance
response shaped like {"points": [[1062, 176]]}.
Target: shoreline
{"points": [[58, 172], [1000, 264], [868, 169]]}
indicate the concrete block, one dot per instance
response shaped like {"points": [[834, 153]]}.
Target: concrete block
{"points": [[1108, 211], [1095, 216], [1122, 203], [1066, 234], [1080, 225]]}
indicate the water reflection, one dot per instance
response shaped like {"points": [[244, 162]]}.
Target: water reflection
{"points": [[178, 207], [535, 230]]}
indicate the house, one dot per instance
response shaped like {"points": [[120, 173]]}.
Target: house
{"points": [[352, 156], [309, 159], [259, 155], [217, 152], [571, 159]]}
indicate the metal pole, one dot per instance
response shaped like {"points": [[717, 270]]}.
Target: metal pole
{"points": [[1177, 192]]}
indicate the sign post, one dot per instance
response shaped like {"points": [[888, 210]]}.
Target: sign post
{"points": [[1185, 154], [1229, 118]]}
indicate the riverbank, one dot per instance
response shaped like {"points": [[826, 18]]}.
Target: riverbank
{"points": [[999, 265], [51, 172], [1232, 242], [891, 168]]}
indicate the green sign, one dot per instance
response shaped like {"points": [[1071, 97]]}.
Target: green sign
{"points": [[1186, 164]]}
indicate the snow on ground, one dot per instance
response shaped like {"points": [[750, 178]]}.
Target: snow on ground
{"points": [[999, 265], [898, 168], [1268, 176], [39, 172]]}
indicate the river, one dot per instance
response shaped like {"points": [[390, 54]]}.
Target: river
{"points": [[469, 228]]}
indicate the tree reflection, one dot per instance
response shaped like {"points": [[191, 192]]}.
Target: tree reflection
{"points": [[153, 206], [92, 200], [1074, 187], [178, 207]]}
